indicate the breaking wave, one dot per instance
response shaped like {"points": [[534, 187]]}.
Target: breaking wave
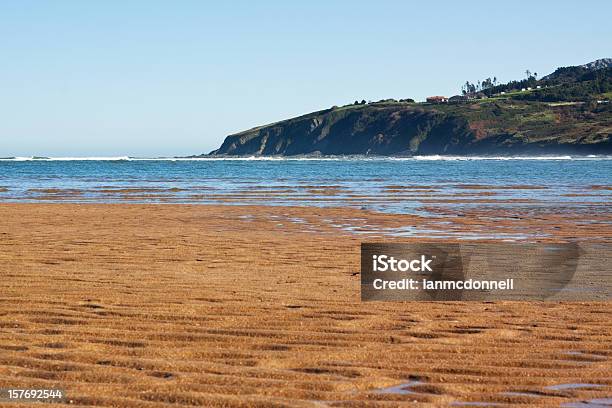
{"points": [[311, 158]]}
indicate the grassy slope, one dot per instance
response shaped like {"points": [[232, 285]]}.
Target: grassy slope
{"points": [[538, 121], [562, 115], [522, 121]]}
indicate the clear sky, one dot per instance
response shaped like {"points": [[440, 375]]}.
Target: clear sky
{"points": [[100, 78]]}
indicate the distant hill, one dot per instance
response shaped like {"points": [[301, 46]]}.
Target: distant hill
{"points": [[569, 74], [573, 73], [598, 64], [566, 112]]}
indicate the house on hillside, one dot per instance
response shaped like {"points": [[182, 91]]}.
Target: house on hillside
{"points": [[437, 99], [458, 98]]}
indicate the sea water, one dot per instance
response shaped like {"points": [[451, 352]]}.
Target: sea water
{"points": [[404, 185]]}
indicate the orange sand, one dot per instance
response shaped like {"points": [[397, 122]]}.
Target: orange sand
{"points": [[175, 305]]}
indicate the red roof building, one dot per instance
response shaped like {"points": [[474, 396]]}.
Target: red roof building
{"points": [[437, 99]]}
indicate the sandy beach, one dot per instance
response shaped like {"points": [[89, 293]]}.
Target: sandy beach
{"points": [[126, 305], [305, 204]]}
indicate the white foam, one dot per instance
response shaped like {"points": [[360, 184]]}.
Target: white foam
{"points": [[467, 158], [35, 158], [313, 158]]}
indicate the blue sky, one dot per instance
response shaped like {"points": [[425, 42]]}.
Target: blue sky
{"points": [[85, 78]]}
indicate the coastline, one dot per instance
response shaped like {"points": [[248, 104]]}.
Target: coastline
{"points": [[317, 157], [125, 303], [302, 205]]}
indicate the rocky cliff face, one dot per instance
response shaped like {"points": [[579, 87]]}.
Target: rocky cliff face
{"points": [[362, 130], [409, 129]]}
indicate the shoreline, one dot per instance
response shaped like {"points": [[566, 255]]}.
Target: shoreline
{"points": [[541, 156], [479, 223]]}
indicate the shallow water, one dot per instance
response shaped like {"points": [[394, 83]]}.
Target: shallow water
{"points": [[389, 185], [593, 403], [572, 386], [402, 389]]}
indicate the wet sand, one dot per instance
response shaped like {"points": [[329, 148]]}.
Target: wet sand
{"points": [[373, 195], [175, 305]]}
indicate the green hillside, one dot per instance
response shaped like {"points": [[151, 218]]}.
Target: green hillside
{"points": [[568, 113]]}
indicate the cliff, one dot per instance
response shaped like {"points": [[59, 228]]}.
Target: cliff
{"points": [[484, 127], [566, 112]]}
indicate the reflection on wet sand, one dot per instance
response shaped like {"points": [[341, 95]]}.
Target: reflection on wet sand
{"points": [[409, 198]]}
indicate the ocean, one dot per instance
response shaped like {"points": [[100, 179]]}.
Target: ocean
{"points": [[398, 185]]}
